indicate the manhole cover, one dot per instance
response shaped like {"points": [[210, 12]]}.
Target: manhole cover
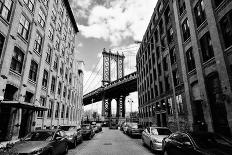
{"points": [[107, 144]]}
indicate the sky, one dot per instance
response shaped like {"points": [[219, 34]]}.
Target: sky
{"points": [[113, 25]]}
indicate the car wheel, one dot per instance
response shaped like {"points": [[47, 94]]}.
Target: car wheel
{"points": [[75, 143], [66, 149], [143, 141], [152, 146], [165, 152]]}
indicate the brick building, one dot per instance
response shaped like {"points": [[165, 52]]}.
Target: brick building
{"points": [[41, 79], [201, 31]]}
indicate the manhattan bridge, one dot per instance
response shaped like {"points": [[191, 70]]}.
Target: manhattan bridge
{"points": [[113, 65]]}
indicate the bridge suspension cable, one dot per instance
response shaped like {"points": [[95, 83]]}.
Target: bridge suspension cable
{"points": [[93, 70], [92, 81]]}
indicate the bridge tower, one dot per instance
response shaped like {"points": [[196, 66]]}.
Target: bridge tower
{"points": [[108, 57]]}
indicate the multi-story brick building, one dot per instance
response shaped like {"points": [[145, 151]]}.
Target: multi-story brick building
{"points": [[41, 79], [202, 30]]}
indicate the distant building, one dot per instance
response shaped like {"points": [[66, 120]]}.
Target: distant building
{"points": [[200, 31], [41, 80]]}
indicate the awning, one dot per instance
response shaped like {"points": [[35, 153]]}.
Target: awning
{"points": [[23, 105]]}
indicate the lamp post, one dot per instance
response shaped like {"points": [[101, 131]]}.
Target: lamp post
{"points": [[130, 101], [172, 81]]}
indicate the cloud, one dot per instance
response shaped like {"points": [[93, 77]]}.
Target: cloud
{"points": [[114, 21]]}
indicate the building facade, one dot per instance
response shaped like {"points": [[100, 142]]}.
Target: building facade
{"points": [[41, 79], [202, 31]]}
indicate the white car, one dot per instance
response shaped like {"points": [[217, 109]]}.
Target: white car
{"points": [[153, 136]]}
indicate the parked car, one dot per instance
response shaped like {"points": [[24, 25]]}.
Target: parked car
{"points": [[153, 136], [125, 127], [134, 129], [196, 143], [99, 126], [41, 142], [121, 125], [95, 128], [87, 131], [73, 134]]}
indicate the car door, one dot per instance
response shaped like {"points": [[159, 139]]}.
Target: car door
{"points": [[147, 136], [173, 144], [185, 145], [57, 143]]}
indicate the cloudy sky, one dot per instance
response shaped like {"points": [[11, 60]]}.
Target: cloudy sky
{"points": [[110, 24]]}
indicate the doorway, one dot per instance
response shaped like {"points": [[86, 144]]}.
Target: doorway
{"points": [[25, 123], [217, 105], [4, 119]]}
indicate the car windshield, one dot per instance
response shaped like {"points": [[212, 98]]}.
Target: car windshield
{"points": [[134, 125], [210, 141], [68, 128], [160, 131], [39, 136], [85, 127]]}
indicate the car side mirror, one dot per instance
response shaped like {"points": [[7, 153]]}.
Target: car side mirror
{"points": [[58, 138], [188, 144]]}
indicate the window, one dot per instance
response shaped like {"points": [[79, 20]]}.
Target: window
{"points": [[2, 40], [62, 68], [48, 56], [53, 83], [161, 87], [50, 109], [45, 79], [51, 33], [161, 27], [156, 36], [163, 43], [190, 60], [67, 112], [59, 88], [180, 105], [66, 74], [170, 106], [64, 92], [57, 45], [30, 4], [38, 43], [199, 11], [59, 26], [167, 15], [45, 2], [159, 69], [53, 16], [69, 93], [206, 47], [57, 110], [62, 111], [55, 66], [42, 103], [24, 26], [226, 28], [173, 55], [33, 71], [182, 6], [70, 78], [5, 9], [41, 18], [17, 60], [175, 77], [185, 29], [170, 35], [165, 63]]}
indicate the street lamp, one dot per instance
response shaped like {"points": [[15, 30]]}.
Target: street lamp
{"points": [[172, 81], [130, 101]]}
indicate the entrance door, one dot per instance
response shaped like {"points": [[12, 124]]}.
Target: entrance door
{"points": [[158, 120], [4, 119], [217, 106], [25, 123], [164, 120]]}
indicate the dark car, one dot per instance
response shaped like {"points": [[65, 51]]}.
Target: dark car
{"points": [[87, 131], [73, 134], [196, 143], [41, 142], [99, 126], [134, 129]]}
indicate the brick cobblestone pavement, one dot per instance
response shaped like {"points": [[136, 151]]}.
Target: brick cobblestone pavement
{"points": [[111, 142]]}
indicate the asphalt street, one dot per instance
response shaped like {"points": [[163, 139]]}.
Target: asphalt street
{"points": [[111, 142]]}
